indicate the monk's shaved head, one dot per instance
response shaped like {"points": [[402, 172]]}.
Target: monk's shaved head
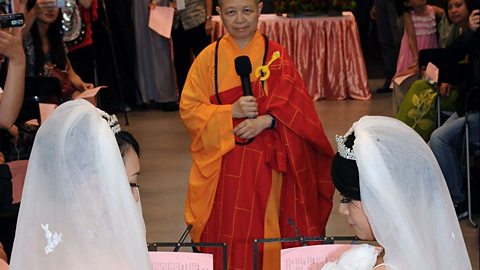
{"points": [[220, 2]]}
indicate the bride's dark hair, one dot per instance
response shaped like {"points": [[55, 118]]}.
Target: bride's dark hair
{"points": [[345, 173]]}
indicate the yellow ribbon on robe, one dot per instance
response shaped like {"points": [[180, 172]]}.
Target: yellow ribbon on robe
{"points": [[264, 71]]}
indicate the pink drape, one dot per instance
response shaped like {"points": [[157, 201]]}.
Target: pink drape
{"points": [[326, 51]]}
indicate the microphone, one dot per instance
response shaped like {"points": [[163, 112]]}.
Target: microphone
{"points": [[243, 67]]}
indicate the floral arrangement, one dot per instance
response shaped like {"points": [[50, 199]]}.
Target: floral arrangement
{"points": [[312, 7]]}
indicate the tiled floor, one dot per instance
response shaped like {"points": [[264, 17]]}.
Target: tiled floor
{"points": [[165, 162]]}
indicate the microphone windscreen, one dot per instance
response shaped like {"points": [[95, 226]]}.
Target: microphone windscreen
{"points": [[243, 66]]}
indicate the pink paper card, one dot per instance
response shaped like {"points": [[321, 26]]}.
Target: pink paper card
{"points": [[46, 110], [89, 93], [181, 260], [161, 20], [311, 257], [432, 72]]}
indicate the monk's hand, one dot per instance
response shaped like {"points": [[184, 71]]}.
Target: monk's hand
{"points": [[474, 20], [250, 128], [245, 107]]}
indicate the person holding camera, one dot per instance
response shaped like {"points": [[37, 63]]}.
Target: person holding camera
{"points": [[12, 55], [45, 49], [11, 99], [446, 141]]}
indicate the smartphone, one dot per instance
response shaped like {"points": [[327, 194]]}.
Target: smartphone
{"points": [[12, 20], [60, 3]]}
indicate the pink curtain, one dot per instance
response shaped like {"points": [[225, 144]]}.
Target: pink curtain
{"points": [[326, 51]]}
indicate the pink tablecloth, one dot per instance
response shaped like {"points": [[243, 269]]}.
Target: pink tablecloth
{"points": [[326, 51]]}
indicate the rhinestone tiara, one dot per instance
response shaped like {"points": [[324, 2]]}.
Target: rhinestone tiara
{"points": [[343, 150], [112, 121]]}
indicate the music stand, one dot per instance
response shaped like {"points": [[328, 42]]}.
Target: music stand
{"points": [[177, 245], [302, 240], [155, 245]]}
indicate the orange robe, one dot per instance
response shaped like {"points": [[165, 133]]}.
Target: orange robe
{"points": [[241, 192]]}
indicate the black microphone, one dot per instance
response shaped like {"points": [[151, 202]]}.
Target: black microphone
{"points": [[243, 67]]}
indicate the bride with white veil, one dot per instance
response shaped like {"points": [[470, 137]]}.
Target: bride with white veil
{"points": [[393, 191], [77, 209]]}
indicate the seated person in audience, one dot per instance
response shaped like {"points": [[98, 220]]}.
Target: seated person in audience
{"points": [[392, 191], [77, 209], [44, 46], [11, 96], [418, 108], [446, 142]]}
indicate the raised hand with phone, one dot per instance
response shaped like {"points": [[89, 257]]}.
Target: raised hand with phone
{"points": [[10, 101]]}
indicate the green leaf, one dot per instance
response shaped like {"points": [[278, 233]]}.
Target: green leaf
{"points": [[415, 100], [413, 113]]}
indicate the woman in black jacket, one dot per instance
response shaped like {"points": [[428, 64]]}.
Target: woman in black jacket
{"points": [[446, 141]]}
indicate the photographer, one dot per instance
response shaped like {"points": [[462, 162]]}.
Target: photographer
{"points": [[45, 50], [12, 96], [446, 141], [13, 58]]}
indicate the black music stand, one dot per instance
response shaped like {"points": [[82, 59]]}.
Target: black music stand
{"points": [[177, 245], [302, 240], [155, 245]]}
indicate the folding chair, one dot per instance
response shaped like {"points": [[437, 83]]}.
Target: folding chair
{"points": [[39, 90], [467, 146], [433, 56]]}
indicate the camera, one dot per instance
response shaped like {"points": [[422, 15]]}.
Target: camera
{"points": [[12, 20]]}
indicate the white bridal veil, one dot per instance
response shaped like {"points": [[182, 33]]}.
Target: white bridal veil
{"points": [[405, 197], [77, 210]]}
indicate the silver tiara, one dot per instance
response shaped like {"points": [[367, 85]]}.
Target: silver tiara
{"points": [[343, 150], [112, 121]]}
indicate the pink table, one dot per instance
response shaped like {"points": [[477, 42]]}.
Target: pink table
{"points": [[326, 51]]}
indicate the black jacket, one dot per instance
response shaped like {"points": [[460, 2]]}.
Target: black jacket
{"points": [[467, 43]]}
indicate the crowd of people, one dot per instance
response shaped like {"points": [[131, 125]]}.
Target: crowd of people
{"points": [[262, 163], [457, 58]]}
